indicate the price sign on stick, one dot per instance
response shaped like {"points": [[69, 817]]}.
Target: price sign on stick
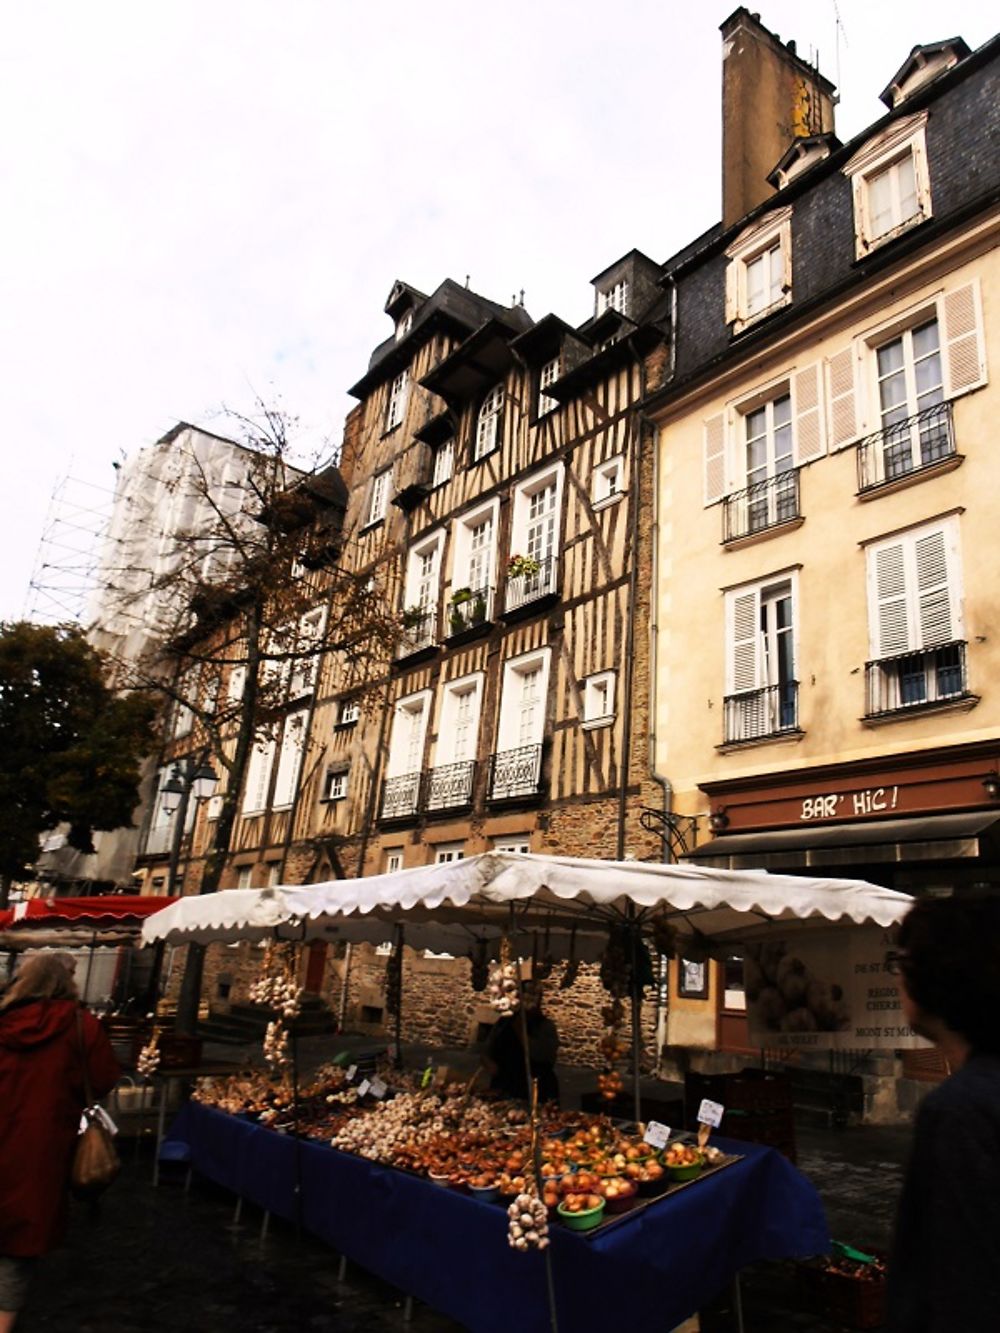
{"points": [[428, 1075], [351, 1071], [710, 1113], [378, 1088], [656, 1135], [363, 1088]]}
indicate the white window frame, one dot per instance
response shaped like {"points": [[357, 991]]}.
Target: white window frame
{"points": [[290, 753], [236, 684], [489, 422], [607, 482], [444, 462], [904, 138], [462, 534], [273, 876], [412, 705], [447, 853], [909, 626], [258, 776], [770, 232], [244, 877], [403, 325], [616, 297], [397, 397], [598, 700], [748, 674], [335, 783], [348, 712], [515, 846], [393, 860], [520, 514], [508, 722], [378, 499], [548, 374], [446, 748], [305, 669]]}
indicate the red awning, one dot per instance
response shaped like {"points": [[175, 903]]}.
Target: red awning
{"points": [[116, 909]]}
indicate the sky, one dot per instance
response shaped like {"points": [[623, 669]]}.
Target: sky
{"points": [[207, 202]]}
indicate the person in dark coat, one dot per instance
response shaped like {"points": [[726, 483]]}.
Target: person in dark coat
{"points": [[504, 1056], [41, 1100], [944, 1268]]}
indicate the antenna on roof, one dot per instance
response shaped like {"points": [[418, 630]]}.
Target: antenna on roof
{"points": [[521, 300], [466, 282]]}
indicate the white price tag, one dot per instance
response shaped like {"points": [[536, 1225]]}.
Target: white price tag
{"points": [[656, 1135], [351, 1071], [378, 1088], [710, 1113], [363, 1088]]}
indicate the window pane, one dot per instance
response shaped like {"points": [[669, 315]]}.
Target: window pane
{"points": [[880, 202], [906, 183]]}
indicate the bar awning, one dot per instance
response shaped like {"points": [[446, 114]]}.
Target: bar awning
{"points": [[916, 838]]}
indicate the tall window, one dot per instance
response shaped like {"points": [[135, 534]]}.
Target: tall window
{"points": [[540, 534], [759, 272], [444, 463], [890, 182], [892, 196], [765, 278], [481, 553], [399, 392], [762, 696], [769, 457], [615, 298], [910, 383], [379, 497], [488, 423], [534, 536], [548, 374], [521, 727]]}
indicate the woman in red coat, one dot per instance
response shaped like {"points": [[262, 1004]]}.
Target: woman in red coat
{"points": [[41, 1098]]}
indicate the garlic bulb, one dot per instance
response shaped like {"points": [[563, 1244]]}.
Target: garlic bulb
{"points": [[528, 1227], [504, 988], [276, 1044], [149, 1057]]}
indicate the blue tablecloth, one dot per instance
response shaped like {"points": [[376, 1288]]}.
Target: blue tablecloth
{"points": [[654, 1267]]}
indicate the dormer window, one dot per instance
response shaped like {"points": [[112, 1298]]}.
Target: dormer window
{"points": [[890, 183], [404, 325], [399, 392], [488, 423], [615, 298], [921, 67], [759, 276], [548, 374]]}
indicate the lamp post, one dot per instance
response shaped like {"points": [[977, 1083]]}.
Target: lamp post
{"points": [[189, 777]]}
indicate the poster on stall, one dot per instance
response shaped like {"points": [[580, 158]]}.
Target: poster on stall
{"points": [[826, 990]]}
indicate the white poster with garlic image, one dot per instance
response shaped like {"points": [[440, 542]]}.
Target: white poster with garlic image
{"points": [[826, 990]]}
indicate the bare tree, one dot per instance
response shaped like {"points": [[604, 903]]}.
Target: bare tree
{"points": [[250, 599]]}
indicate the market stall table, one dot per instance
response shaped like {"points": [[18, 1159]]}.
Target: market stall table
{"points": [[450, 1251]]}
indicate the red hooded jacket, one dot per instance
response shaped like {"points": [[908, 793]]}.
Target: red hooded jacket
{"points": [[41, 1097]]}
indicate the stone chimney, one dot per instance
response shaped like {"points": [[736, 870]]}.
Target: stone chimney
{"points": [[770, 96]]}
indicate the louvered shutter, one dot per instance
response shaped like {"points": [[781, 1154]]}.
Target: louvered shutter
{"points": [[237, 684], [732, 292], [965, 359], [809, 443], [934, 599], [289, 759], [744, 643], [258, 777], [843, 398], [715, 458], [891, 610]]}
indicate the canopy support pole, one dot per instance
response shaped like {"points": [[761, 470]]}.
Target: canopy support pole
{"points": [[635, 993]]}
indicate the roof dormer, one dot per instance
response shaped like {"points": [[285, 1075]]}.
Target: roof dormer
{"points": [[803, 154], [403, 301], [628, 286], [923, 64]]}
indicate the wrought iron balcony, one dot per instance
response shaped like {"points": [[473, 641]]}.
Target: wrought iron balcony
{"points": [[765, 504], [401, 796], [450, 786], [515, 773], [469, 608], [912, 681], [755, 715], [419, 630], [908, 446], [528, 587]]}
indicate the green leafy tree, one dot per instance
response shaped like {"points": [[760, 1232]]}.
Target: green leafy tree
{"points": [[71, 748]]}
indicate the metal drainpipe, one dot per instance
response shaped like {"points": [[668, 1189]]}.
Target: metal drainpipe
{"points": [[629, 637]]}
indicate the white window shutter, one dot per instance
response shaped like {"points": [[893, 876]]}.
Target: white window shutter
{"points": [[965, 359], [289, 759], [934, 599], [809, 442], [744, 643], [732, 292], [715, 458], [843, 398], [258, 777], [891, 610]]}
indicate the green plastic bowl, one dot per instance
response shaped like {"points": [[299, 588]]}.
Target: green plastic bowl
{"points": [[583, 1221], [685, 1172]]}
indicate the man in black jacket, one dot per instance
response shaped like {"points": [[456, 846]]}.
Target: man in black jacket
{"points": [[944, 1273]]}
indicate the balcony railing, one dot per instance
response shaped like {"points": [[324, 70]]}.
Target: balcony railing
{"points": [[450, 786], [515, 772], [909, 446], [916, 680], [419, 630], [524, 588], [765, 504], [401, 796], [474, 607], [757, 714]]}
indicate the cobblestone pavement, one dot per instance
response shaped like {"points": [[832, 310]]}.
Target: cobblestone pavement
{"points": [[159, 1260]]}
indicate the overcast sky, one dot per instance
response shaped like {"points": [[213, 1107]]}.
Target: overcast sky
{"points": [[204, 201]]}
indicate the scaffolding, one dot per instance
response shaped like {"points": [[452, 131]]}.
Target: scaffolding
{"points": [[64, 578]]}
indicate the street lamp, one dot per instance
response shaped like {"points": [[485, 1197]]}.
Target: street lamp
{"points": [[198, 782]]}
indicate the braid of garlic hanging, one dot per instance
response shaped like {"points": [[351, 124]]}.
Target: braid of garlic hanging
{"points": [[149, 1057], [276, 987], [528, 1225], [504, 988], [276, 1044]]}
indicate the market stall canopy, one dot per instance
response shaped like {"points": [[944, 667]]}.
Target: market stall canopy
{"points": [[109, 918], [484, 895]]}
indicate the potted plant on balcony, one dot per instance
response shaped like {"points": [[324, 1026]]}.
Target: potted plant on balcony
{"points": [[477, 613], [520, 565], [414, 616], [457, 620]]}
